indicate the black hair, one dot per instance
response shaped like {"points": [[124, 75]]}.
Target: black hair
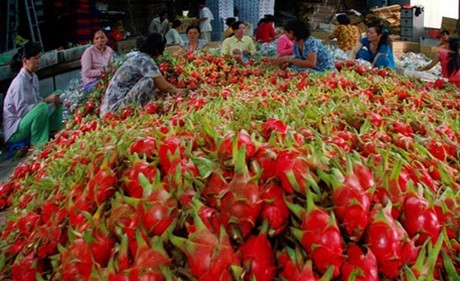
{"points": [[192, 26], [176, 23], [300, 29], [30, 49], [154, 44], [237, 24], [97, 30], [343, 19], [262, 20], [381, 30], [229, 21], [453, 64], [269, 18], [444, 32]]}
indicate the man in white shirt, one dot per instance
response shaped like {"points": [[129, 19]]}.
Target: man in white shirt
{"points": [[160, 24], [205, 18]]}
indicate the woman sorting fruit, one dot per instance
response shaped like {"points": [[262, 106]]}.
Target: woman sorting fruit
{"points": [[450, 62], [308, 52], [346, 33], [136, 80], [375, 48], [194, 42], [238, 45], [95, 59], [25, 113]]}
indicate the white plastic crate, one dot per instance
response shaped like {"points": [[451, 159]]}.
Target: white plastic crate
{"points": [[49, 58], [72, 53]]}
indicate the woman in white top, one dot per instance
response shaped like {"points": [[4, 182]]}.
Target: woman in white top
{"points": [[194, 42], [173, 36]]}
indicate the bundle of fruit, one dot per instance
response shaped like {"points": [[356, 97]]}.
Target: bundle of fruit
{"points": [[350, 175]]}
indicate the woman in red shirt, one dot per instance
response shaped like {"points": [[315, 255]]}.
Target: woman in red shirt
{"points": [[265, 32], [450, 62]]}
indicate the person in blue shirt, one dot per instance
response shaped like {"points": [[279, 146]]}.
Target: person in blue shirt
{"points": [[308, 52], [375, 48]]}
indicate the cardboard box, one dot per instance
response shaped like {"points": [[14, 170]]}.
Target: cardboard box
{"points": [[322, 35], [450, 24], [127, 45], [173, 49], [428, 51], [401, 47]]}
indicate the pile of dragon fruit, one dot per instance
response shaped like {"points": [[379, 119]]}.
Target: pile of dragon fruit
{"points": [[258, 173]]}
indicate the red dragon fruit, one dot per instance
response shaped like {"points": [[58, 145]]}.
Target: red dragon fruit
{"points": [[26, 268], [361, 265], [257, 256], [158, 209], [274, 208], [293, 171], [295, 268], [150, 263], [389, 242], [241, 202], [215, 184], [393, 188], [226, 148], [319, 235], [209, 255], [266, 157], [351, 198], [418, 217], [130, 180], [273, 125]]}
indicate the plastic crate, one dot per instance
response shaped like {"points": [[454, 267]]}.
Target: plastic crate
{"points": [[72, 53], [5, 72], [49, 58]]}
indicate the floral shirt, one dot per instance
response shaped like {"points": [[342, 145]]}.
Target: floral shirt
{"points": [[324, 60], [137, 66], [347, 36]]}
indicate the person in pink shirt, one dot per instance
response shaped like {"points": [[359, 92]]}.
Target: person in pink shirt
{"points": [[95, 59], [450, 62], [284, 46]]}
